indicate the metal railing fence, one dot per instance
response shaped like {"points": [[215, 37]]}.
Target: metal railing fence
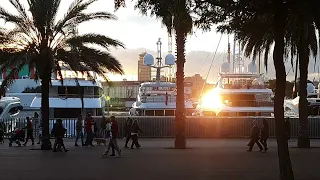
{"points": [[196, 127]]}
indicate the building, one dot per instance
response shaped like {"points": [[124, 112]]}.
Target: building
{"points": [[198, 84], [144, 72], [122, 93]]}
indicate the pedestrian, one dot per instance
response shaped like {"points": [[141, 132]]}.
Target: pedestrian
{"points": [[29, 129], [255, 131], [127, 131], [79, 133], [88, 126], [264, 134], [287, 127], [113, 145], [135, 129], [59, 132], [36, 119], [2, 130], [103, 127]]}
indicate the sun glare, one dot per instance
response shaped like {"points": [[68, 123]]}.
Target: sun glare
{"points": [[212, 100]]}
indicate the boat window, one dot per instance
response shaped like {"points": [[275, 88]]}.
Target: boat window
{"points": [[159, 112], [312, 96], [169, 112], [1, 110], [149, 112], [13, 110], [97, 91], [67, 112]]}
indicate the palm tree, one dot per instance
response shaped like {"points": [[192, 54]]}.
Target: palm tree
{"points": [[41, 41], [179, 10], [259, 26]]}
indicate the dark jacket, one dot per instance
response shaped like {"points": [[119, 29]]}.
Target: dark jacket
{"points": [[58, 130], [79, 125], [29, 126], [287, 129], [135, 128], [127, 129], [255, 131], [265, 131], [114, 129]]}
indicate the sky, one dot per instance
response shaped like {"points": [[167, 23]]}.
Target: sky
{"points": [[140, 33]]}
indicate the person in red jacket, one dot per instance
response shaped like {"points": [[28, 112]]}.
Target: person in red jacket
{"points": [[113, 144], [88, 127]]}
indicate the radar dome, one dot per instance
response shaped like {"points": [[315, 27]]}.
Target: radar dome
{"points": [[169, 60], [225, 67], [310, 88], [148, 60], [252, 67]]}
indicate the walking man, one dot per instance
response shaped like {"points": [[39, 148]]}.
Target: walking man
{"points": [[127, 131], [264, 134], [29, 128], [88, 125], [79, 133], [255, 131]]}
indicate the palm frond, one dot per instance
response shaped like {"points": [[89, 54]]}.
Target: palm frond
{"points": [[94, 39], [10, 78]]}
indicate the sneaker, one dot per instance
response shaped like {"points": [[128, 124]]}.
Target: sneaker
{"points": [[249, 150], [112, 155], [76, 145], [66, 150], [38, 143], [119, 153]]}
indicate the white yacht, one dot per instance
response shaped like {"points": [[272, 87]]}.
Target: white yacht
{"points": [[64, 99], [158, 98], [291, 106], [237, 94]]}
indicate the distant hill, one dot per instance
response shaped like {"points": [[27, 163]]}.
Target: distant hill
{"points": [[195, 59]]}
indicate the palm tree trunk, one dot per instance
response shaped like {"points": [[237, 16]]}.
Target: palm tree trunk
{"points": [[303, 139], [180, 141], [285, 166], [45, 85]]}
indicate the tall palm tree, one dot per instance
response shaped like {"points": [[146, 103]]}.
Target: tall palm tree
{"points": [[259, 26], [41, 40], [180, 11]]}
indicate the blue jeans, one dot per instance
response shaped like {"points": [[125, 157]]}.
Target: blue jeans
{"points": [[79, 134], [89, 139]]}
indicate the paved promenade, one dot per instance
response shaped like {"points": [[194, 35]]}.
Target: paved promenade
{"points": [[205, 160]]}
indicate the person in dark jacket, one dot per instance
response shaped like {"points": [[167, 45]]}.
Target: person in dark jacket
{"points": [[88, 127], [79, 133], [264, 134], [2, 130], [255, 131], [287, 127], [135, 129], [29, 128], [127, 131], [58, 132]]}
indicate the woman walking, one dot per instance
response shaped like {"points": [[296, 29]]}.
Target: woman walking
{"points": [[264, 134], [135, 129]]}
